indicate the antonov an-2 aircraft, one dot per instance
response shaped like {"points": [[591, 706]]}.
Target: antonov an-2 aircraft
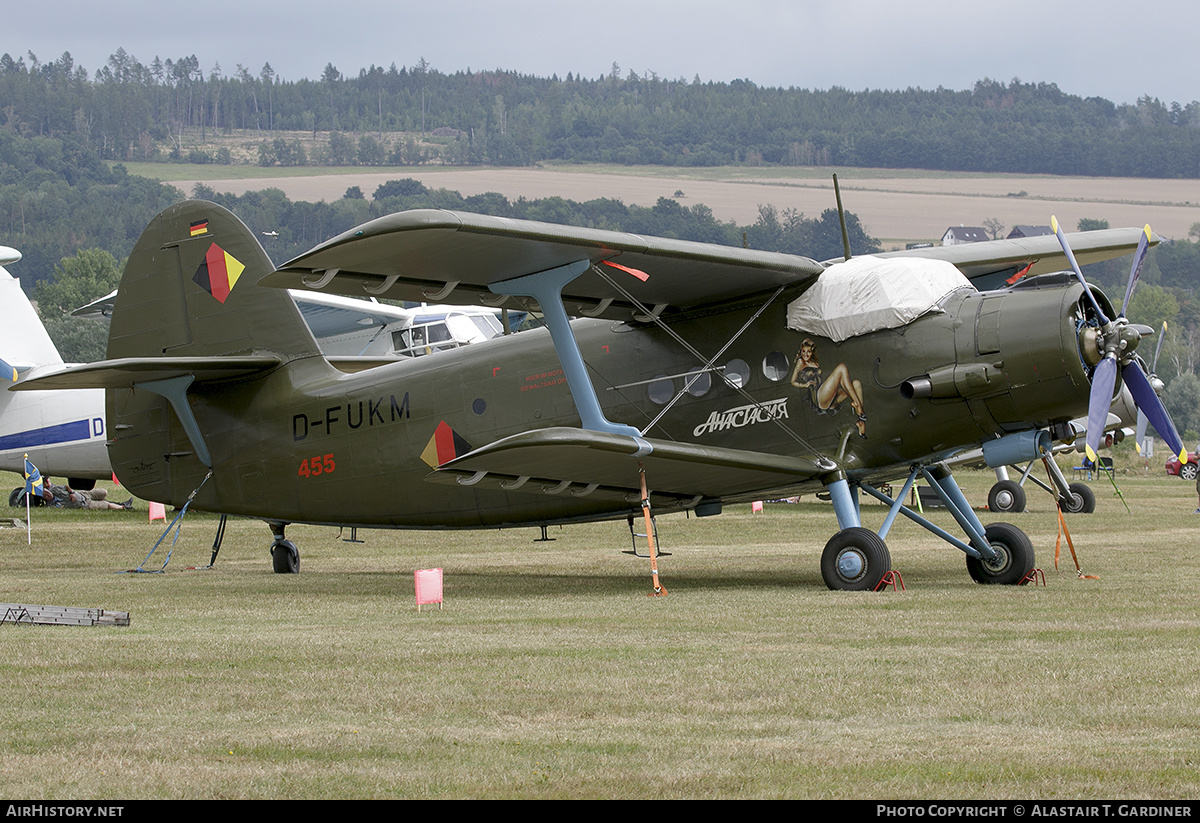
{"points": [[695, 375]]}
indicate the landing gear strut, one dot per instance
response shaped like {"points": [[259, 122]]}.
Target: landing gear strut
{"points": [[857, 559]]}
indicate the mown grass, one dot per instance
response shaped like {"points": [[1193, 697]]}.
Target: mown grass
{"points": [[551, 674]]}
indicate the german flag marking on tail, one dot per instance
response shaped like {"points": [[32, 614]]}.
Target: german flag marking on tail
{"points": [[219, 272], [198, 227]]}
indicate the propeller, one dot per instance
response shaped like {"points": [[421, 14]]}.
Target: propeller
{"points": [[1142, 420], [1117, 341]]}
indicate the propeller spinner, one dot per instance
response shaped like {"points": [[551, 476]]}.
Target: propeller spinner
{"points": [[1116, 340]]}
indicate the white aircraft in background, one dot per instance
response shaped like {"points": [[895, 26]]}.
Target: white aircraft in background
{"points": [[64, 432]]}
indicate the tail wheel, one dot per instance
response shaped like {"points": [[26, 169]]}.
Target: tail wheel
{"points": [[285, 557], [855, 560], [1014, 557], [1081, 501], [1006, 496]]}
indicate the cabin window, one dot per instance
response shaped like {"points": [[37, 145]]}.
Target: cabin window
{"points": [[661, 389], [700, 382], [737, 373], [775, 366]]}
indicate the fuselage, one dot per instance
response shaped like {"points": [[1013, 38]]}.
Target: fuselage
{"points": [[62, 433], [307, 443]]}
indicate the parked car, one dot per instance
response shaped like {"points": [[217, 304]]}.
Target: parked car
{"points": [[1188, 470]]}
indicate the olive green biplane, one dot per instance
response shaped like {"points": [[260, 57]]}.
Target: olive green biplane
{"points": [[670, 376]]}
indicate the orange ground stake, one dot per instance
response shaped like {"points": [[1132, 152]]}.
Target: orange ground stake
{"points": [[659, 589]]}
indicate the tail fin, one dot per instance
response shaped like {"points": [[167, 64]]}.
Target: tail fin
{"points": [[190, 290], [23, 339]]}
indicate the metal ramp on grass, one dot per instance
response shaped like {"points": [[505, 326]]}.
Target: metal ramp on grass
{"points": [[60, 615]]}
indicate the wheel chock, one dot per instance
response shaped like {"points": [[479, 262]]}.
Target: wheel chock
{"points": [[891, 579], [1033, 577]]}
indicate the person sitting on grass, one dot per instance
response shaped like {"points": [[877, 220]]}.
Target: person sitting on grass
{"points": [[67, 498]]}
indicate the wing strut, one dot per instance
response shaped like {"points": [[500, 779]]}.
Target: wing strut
{"points": [[546, 287], [175, 390]]}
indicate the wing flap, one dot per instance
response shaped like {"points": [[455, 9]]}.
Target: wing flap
{"points": [[565, 456], [453, 257]]}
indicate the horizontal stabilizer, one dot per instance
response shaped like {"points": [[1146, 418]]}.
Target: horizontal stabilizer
{"points": [[127, 372], [587, 458]]}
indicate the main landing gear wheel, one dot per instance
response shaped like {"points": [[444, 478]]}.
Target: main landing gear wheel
{"points": [[1081, 501], [1006, 496], [1014, 560], [855, 560]]}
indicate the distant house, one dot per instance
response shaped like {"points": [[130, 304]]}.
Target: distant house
{"points": [[958, 235], [1029, 231]]}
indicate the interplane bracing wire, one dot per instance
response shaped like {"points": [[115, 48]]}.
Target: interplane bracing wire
{"points": [[708, 362]]}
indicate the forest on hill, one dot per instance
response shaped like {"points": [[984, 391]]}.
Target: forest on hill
{"points": [[178, 109], [73, 210]]}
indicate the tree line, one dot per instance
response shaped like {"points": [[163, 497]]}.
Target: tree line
{"points": [[169, 109], [75, 219]]}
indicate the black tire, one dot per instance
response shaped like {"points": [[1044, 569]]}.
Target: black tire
{"points": [[285, 557], [855, 560], [82, 484], [16, 499], [1188, 471], [1015, 560], [1006, 496], [1081, 501]]}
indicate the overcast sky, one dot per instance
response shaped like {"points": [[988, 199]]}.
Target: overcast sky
{"points": [[1116, 50]]}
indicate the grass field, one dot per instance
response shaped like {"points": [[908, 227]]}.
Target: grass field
{"points": [[551, 674]]}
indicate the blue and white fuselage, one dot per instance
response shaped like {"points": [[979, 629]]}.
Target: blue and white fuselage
{"points": [[63, 433]]}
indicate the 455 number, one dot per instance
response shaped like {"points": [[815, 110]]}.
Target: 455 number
{"points": [[317, 466]]}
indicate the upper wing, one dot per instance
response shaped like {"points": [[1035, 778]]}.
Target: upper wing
{"points": [[452, 257], [990, 265]]}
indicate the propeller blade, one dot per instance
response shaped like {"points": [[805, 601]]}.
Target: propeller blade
{"points": [[1147, 401], [1142, 421], [1062, 241], [1104, 380], [1135, 271], [1161, 334]]}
